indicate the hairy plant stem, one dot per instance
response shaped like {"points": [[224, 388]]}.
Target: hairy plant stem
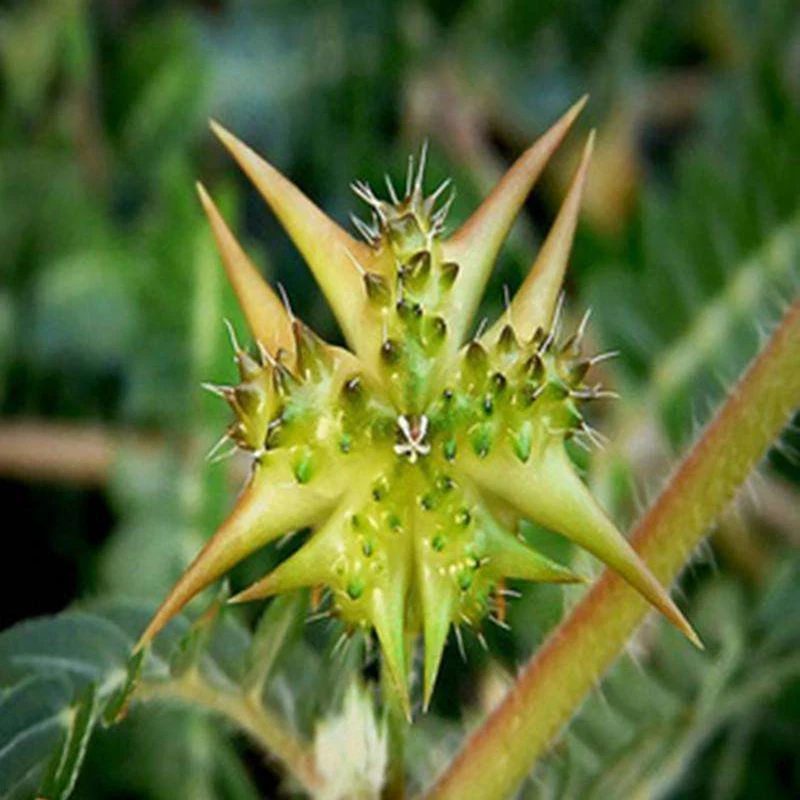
{"points": [[397, 726], [549, 690], [397, 729], [268, 731]]}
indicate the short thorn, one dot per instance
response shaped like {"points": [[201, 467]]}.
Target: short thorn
{"points": [[367, 233], [216, 448], [423, 157], [460, 641], [285, 300], [438, 192], [556, 325], [499, 622], [219, 391], [266, 356], [440, 216], [356, 264], [363, 190], [582, 325], [317, 616], [594, 436], [598, 359], [391, 190], [594, 393], [222, 456], [340, 642], [232, 336]]}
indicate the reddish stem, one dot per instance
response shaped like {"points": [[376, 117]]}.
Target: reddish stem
{"points": [[503, 749]]}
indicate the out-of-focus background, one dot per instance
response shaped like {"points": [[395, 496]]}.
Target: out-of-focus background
{"points": [[111, 309]]}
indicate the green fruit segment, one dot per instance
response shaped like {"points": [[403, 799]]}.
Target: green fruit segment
{"points": [[412, 457]]}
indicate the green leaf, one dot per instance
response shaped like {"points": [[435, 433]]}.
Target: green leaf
{"points": [[117, 706], [45, 664], [194, 644], [178, 752], [652, 718], [277, 624], [32, 724], [67, 760]]}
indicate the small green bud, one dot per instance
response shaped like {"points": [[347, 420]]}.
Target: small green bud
{"points": [[523, 440], [481, 441], [355, 588], [249, 368], [312, 355], [529, 393], [534, 368], [353, 389], [476, 357], [507, 341], [435, 332], [444, 483], [405, 235], [417, 271], [499, 382], [463, 517], [378, 290], [449, 273], [380, 489], [538, 337], [403, 308], [390, 351], [575, 371], [302, 469]]}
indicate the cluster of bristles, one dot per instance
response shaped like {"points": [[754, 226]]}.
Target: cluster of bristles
{"points": [[411, 223], [411, 285], [412, 458], [526, 391]]}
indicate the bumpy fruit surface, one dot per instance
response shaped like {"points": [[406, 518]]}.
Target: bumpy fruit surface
{"points": [[413, 455]]}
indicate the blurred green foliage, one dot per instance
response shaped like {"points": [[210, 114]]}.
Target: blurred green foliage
{"points": [[111, 309]]}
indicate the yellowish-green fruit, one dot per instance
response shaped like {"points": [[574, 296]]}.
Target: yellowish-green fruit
{"points": [[398, 452]]}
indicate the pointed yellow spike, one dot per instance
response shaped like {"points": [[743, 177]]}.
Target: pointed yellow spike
{"points": [[549, 492], [268, 319], [388, 618], [535, 302], [331, 253], [439, 600], [510, 558], [475, 245], [271, 506], [311, 565]]}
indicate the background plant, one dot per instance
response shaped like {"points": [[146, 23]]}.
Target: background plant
{"points": [[687, 254]]}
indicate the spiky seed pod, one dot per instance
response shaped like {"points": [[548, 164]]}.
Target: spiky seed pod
{"points": [[398, 452]]}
